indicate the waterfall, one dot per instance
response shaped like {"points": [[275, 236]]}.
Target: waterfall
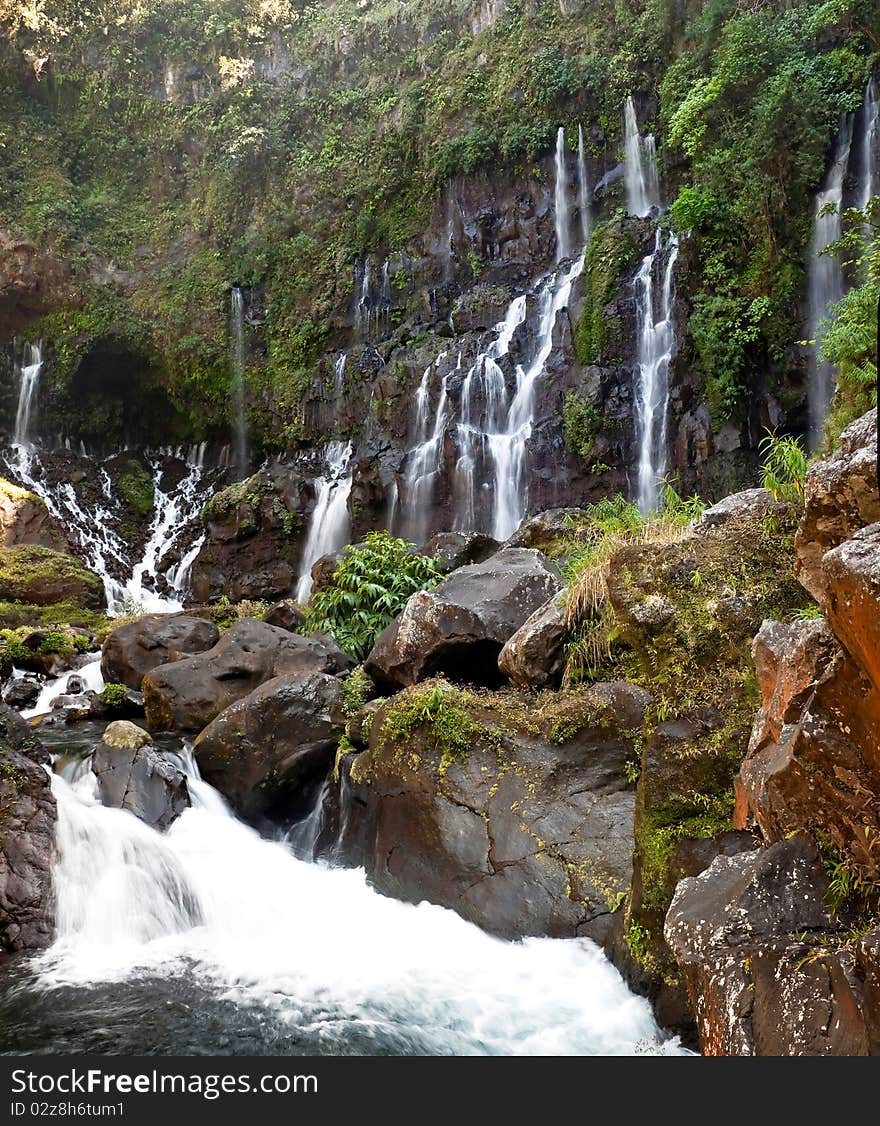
{"points": [[825, 282], [363, 279], [339, 376], [210, 910], [329, 523], [656, 344], [424, 460], [236, 337], [561, 212], [584, 208], [483, 412], [639, 166], [28, 369], [869, 182], [94, 529]]}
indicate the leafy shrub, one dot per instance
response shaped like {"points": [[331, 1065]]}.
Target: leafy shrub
{"points": [[784, 464], [368, 590], [113, 695]]}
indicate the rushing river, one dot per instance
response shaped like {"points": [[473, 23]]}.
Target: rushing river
{"points": [[211, 939]]}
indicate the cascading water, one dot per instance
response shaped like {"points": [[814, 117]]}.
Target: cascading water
{"points": [[509, 447], [339, 375], [237, 356], [639, 166], [656, 344], [825, 281], [584, 208], [869, 180], [96, 528], [329, 523], [425, 459], [210, 919], [28, 370], [561, 209]]}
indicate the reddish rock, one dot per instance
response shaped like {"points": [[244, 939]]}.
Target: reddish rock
{"points": [[814, 755], [134, 649], [756, 987], [851, 574], [840, 497]]}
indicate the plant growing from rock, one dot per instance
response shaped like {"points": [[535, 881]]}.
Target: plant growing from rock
{"points": [[784, 465], [369, 588]]}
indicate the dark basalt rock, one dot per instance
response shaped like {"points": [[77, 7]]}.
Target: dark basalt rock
{"points": [[527, 833], [455, 549], [133, 775], [263, 751], [460, 626], [27, 837], [284, 615], [187, 694], [134, 649], [767, 971], [535, 656]]}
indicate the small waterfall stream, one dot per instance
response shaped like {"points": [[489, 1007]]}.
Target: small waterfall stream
{"points": [[639, 166], [825, 281], [210, 918], [95, 528], [28, 370], [655, 347], [329, 522], [561, 211], [869, 147]]}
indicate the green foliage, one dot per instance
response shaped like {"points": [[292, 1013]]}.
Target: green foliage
{"points": [[113, 695], [368, 590], [356, 690], [608, 259], [136, 488], [849, 337], [752, 103], [56, 642], [784, 466], [581, 422], [432, 707]]}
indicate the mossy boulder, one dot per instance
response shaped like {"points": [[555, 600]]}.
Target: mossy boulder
{"points": [[514, 810], [24, 518], [682, 616], [42, 576]]}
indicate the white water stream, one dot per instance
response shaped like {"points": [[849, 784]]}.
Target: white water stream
{"points": [[314, 948]]}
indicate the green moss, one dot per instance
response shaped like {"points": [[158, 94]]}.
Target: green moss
{"points": [[137, 489], [113, 695], [432, 708], [357, 689], [581, 422], [608, 258], [43, 576]]}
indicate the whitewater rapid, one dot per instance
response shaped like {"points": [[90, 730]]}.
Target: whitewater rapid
{"points": [[310, 947]]}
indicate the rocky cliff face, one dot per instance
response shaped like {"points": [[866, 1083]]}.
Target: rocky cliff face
{"points": [[778, 948]]}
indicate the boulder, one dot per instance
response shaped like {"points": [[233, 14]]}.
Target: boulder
{"points": [[187, 694], [27, 837], [251, 548], [814, 753], [549, 528], [284, 615], [457, 549], [840, 496], [461, 625], [41, 576], [136, 648], [263, 750], [851, 576], [514, 812], [133, 775], [535, 656], [748, 504], [757, 949], [22, 693], [24, 519]]}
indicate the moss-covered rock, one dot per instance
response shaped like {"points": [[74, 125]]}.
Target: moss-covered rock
{"points": [[513, 809], [42, 576], [136, 487]]}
